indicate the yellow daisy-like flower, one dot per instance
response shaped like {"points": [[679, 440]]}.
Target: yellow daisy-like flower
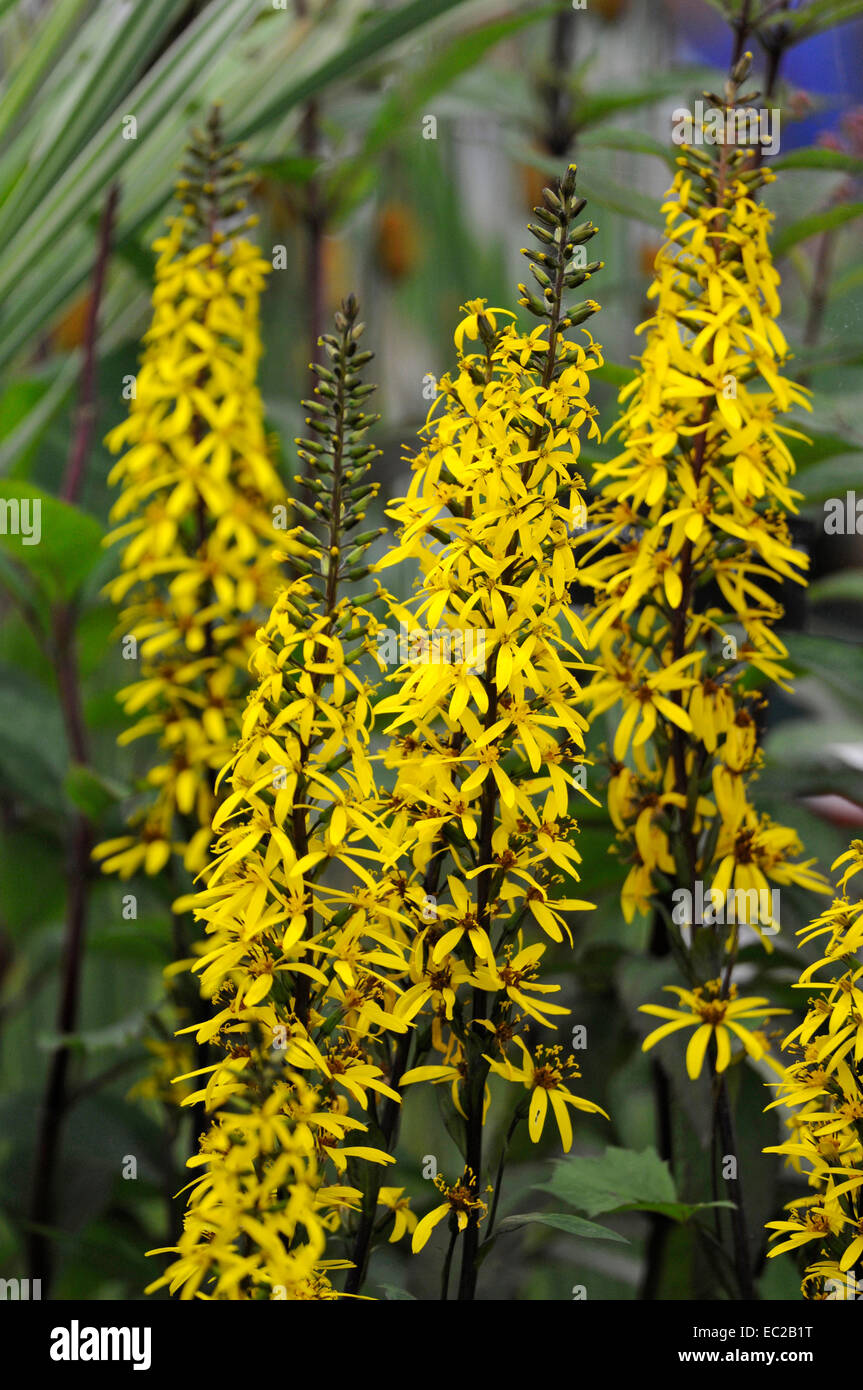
{"points": [[517, 977], [544, 1077], [816, 1222], [460, 1203], [476, 310], [714, 1016]]}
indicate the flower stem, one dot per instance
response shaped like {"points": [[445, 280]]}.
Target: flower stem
{"points": [[55, 1101], [389, 1124], [724, 1123], [447, 1264], [85, 415]]}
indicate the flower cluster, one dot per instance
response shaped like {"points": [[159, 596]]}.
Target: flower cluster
{"points": [[303, 907], [823, 1090], [488, 750], [686, 548], [195, 515], [235, 1235]]}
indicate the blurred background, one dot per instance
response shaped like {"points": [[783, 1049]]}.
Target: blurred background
{"points": [[398, 149]]}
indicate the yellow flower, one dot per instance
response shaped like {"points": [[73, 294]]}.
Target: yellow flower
{"points": [[404, 1220], [462, 914], [814, 1223], [544, 1077], [436, 983], [469, 327], [687, 541], [714, 1017], [687, 545], [645, 697], [460, 1203], [517, 976], [436, 1073]]}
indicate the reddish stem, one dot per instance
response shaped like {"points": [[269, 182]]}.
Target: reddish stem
{"points": [[85, 415]]}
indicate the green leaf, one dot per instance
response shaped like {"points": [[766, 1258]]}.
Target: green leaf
{"points": [[234, 52], [56, 543], [92, 793], [614, 373], [139, 942], [844, 284], [832, 477], [295, 170], [813, 224], [371, 41], [596, 189], [830, 354], [115, 48], [84, 178], [680, 1212], [805, 756], [18, 400], [617, 1178], [815, 157], [846, 584], [400, 106], [392, 1292], [31, 890], [633, 141], [838, 664], [15, 448], [818, 16], [111, 1038], [617, 197], [37, 57], [560, 1221], [141, 259], [817, 446], [597, 106], [32, 743]]}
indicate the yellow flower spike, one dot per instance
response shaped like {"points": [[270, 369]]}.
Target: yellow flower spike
{"points": [[198, 493], [306, 927], [487, 742], [683, 551], [193, 525]]}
